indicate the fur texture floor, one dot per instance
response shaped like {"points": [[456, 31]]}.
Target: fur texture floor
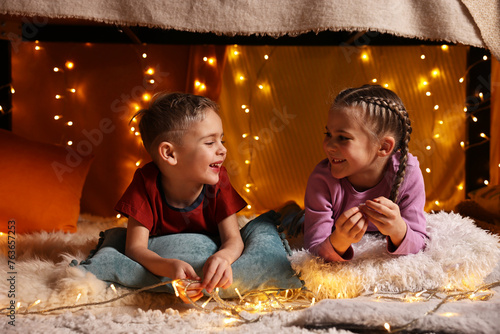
{"points": [[457, 250]]}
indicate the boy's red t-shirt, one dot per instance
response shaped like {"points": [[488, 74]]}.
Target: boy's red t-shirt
{"points": [[144, 201]]}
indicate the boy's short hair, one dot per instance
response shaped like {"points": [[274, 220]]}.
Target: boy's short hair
{"points": [[168, 117]]}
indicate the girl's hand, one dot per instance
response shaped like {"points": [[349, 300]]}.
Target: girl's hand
{"points": [[385, 215], [349, 229], [217, 273]]}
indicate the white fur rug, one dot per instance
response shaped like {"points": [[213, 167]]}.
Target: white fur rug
{"points": [[42, 273]]}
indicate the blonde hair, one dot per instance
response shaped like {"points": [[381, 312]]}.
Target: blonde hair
{"points": [[169, 116], [383, 113]]}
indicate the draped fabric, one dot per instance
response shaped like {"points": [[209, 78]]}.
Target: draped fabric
{"points": [[288, 96], [470, 22], [494, 125]]}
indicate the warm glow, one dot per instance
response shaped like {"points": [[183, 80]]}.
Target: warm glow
{"points": [[69, 65]]}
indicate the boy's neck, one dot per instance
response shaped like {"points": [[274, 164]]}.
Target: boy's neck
{"points": [[179, 194]]}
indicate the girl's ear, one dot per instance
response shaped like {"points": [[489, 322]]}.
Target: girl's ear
{"points": [[386, 146], [166, 153]]}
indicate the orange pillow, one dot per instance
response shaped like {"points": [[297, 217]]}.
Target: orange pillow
{"points": [[40, 185]]}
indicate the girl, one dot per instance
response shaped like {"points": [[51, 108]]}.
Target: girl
{"points": [[369, 181]]}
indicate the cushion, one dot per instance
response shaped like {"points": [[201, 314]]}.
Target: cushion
{"points": [[488, 198], [263, 263], [41, 185]]}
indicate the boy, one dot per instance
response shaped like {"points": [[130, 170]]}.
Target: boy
{"points": [[184, 189]]}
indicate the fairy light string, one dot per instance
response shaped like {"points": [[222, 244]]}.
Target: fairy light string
{"points": [[266, 301]]}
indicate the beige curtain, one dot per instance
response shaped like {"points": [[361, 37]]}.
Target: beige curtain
{"points": [[288, 95]]}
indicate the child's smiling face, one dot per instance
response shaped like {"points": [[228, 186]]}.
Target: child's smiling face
{"points": [[350, 148], [202, 151]]}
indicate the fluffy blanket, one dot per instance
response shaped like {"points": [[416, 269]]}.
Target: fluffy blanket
{"points": [[470, 22], [457, 249]]}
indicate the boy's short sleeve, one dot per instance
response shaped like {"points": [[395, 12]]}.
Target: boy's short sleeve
{"points": [[228, 201], [136, 201]]}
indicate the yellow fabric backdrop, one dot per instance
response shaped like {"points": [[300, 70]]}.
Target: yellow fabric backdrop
{"points": [[288, 112]]}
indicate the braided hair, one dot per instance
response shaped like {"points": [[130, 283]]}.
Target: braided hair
{"points": [[384, 113]]}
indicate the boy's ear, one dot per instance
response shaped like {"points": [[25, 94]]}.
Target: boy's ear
{"points": [[387, 144], [166, 152]]}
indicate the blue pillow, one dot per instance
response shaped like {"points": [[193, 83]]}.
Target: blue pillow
{"points": [[262, 265]]}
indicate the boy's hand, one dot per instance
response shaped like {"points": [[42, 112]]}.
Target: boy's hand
{"points": [[385, 215], [217, 273], [349, 228]]}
